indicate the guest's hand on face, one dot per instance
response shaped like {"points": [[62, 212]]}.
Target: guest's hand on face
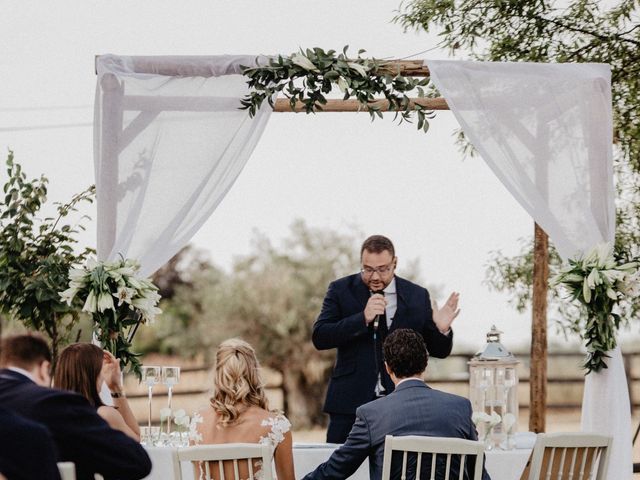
{"points": [[375, 306], [111, 371]]}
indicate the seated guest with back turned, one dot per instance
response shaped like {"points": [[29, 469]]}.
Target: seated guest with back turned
{"points": [[21, 442], [412, 409], [82, 367], [81, 436], [238, 410]]}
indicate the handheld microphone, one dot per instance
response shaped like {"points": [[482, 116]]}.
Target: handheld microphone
{"points": [[376, 319]]}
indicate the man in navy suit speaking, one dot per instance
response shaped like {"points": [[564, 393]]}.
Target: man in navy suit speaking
{"points": [[412, 409], [358, 313]]}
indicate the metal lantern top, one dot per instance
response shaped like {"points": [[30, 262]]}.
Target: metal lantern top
{"points": [[493, 351]]}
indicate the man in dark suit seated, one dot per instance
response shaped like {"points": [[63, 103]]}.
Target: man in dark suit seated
{"points": [[80, 435], [27, 451], [358, 312], [412, 409]]}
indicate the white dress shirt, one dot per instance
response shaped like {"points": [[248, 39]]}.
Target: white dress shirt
{"points": [[391, 297]]}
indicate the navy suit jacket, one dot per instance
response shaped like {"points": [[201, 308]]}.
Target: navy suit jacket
{"points": [[27, 451], [412, 409], [80, 434], [341, 325]]}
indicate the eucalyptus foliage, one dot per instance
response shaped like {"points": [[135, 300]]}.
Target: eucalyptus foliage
{"points": [[311, 74], [36, 256]]}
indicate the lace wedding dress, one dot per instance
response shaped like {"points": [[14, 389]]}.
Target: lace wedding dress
{"points": [[278, 426]]}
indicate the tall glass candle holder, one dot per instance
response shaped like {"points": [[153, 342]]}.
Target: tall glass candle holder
{"points": [[150, 376], [170, 377]]}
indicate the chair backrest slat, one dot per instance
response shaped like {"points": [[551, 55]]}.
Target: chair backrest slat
{"points": [[587, 452], [67, 470], [236, 459], [435, 446], [462, 462], [561, 469], [433, 466], [448, 468]]}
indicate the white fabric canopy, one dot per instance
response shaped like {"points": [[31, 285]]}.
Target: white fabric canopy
{"points": [[169, 144], [546, 132]]}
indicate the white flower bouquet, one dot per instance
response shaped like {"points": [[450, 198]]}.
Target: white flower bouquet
{"points": [[599, 282], [118, 301]]}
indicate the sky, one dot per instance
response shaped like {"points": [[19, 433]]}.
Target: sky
{"points": [[333, 170]]}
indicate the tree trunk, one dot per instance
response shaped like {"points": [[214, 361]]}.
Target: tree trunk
{"points": [[538, 372], [299, 407]]}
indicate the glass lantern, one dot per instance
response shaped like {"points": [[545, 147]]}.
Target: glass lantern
{"points": [[493, 391]]}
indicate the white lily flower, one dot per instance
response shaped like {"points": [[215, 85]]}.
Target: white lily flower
{"points": [[78, 275], [68, 295], [135, 283], [611, 294], [303, 62], [91, 304], [495, 419], [105, 302], [479, 417], [604, 254], [91, 263], [592, 278], [180, 413], [586, 291], [124, 295], [165, 413]]}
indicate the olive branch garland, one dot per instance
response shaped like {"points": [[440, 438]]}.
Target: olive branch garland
{"points": [[309, 75]]}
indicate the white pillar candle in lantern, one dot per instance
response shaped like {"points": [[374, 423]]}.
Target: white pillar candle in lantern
{"points": [[493, 391]]}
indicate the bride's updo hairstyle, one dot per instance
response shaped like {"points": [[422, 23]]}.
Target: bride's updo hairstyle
{"points": [[237, 383]]}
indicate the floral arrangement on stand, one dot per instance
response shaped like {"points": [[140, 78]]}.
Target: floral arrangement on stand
{"points": [[118, 300], [599, 282], [181, 433], [307, 76]]}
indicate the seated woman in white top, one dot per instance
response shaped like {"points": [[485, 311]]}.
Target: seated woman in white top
{"points": [[238, 410]]}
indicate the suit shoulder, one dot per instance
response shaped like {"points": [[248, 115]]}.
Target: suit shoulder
{"points": [[451, 398], [344, 282], [409, 286]]}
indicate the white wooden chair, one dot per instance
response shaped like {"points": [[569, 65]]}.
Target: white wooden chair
{"points": [[227, 461], [435, 446], [569, 456], [67, 470]]}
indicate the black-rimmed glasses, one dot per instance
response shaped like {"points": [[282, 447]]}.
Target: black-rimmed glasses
{"points": [[369, 271]]}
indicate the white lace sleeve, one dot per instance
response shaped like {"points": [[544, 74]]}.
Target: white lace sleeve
{"points": [[279, 426]]}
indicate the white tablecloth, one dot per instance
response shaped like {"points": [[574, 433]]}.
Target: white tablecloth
{"points": [[501, 465]]}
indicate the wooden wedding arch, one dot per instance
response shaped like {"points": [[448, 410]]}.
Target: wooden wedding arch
{"points": [[112, 127]]}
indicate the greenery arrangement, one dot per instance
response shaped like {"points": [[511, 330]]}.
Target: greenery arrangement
{"points": [[309, 75], [598, 282], [117, 300], [36, 256]]}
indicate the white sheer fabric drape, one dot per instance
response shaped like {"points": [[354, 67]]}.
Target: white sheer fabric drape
{"points": [[546, 132], [169, 144]]}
